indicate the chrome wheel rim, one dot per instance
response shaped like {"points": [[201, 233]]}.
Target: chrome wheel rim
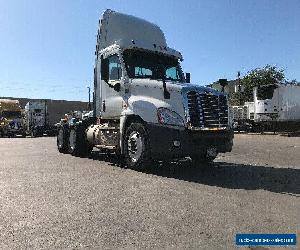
{"points": [[135, 146]]}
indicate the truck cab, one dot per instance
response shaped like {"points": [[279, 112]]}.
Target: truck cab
{"points": [[145, 108], [36, 117], [11, 122]]}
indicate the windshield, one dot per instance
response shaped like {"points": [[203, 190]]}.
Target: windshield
{"points": [[142, 64], [11, 114]]}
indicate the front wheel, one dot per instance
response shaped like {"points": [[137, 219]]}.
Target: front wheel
{"points": [[205, 159], [137, 146]]}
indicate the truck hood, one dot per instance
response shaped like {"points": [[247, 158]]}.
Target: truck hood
{"points": [[176, 86], [147, 96], [185, 87]]}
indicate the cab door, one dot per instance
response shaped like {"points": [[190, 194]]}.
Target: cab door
{"points": [[111, 91]]}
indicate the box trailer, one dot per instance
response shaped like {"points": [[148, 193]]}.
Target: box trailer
{"points": [[36, 119], [277, 107]]}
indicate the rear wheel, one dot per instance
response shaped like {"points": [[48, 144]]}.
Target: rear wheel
{"points": [[78, 145], [34, 133], [137, 147], [62, 140]]}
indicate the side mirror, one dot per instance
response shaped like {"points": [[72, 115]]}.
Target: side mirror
{"points": [[104, 70], [188, 77]]}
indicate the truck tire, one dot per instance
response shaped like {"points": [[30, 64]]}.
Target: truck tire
{"points": [[137, 147], [62, 140], [203, 160], [78, 145], [34, 133]]}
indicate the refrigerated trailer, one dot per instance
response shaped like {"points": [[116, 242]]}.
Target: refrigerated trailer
{"points": [[277, 107], [145, 108]]}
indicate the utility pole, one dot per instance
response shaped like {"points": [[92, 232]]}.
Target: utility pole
{"points": [[89, 107], [45, 113], [239, 87], [240, 100]]}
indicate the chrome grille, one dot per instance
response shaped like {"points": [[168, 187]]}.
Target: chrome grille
{"points": [[207, 110]]}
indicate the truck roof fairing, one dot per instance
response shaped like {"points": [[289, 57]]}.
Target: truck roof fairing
{"points": [[131, 32]]}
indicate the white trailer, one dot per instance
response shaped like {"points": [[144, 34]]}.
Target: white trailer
{"points": [[277, 106], [36, 119], [249, 106], [242, 116], [144, 107]]}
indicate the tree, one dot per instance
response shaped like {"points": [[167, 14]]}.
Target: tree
{"points": [[293, 82], [236, 98], [260, 76]]}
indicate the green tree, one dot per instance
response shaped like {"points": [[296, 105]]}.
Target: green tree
{"points": [[260, 76], [293, 82], [236, 98]]}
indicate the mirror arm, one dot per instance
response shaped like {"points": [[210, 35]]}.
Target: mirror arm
{"points": [[116, 86], [166, 92], [188, 77]]}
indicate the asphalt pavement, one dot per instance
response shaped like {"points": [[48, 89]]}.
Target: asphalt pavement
{"points": [[50, 200]]}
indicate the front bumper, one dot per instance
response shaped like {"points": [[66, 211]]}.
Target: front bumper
{"points": [[164, 141]]}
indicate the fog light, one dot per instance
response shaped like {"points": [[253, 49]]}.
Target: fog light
{"points": [[176, 143]]}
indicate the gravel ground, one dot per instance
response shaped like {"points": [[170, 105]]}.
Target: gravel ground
{"points": [[56, 201]]}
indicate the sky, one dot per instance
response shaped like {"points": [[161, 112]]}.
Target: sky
{"points": [[47, 47]]}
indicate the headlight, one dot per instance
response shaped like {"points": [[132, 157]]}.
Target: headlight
{"points": [[169, 117]]}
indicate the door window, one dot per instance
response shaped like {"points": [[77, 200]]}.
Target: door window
{"points": [[114, 66], [172, 73]]}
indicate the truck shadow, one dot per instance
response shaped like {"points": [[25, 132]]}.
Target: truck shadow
{"points": [[227, 175], [237, 176]]}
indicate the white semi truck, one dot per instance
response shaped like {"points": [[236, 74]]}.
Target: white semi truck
{"points": [[144, 107], [11, 122]]}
